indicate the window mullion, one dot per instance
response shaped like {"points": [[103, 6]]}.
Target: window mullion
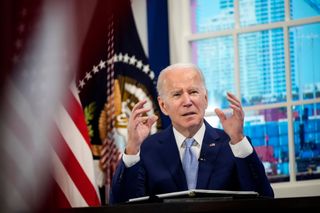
{"points": [[292, 160]]}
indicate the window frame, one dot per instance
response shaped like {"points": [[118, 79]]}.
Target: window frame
{"points": [[181, 36]]}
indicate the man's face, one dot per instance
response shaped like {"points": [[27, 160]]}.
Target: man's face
{"points": [[184, 99]]}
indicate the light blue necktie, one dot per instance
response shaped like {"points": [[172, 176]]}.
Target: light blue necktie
{"points": [[190, 163]]}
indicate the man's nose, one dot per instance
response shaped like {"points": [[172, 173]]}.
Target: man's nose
{"points": [[186, 99]]}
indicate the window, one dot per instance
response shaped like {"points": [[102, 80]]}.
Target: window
{"points": [[267, 53], [215, 58]]}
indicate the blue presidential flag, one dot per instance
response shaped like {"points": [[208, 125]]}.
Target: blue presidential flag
{"points": [[115, 75]]}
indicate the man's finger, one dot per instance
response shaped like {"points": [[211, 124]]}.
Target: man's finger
{"points": [[220, 114], [139, 105], [237, 111], [232, 99], [232, 96], [140, 112], [152, 120], [142, 119]]}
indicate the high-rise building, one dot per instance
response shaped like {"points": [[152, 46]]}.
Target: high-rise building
{"points": [[261, 54]]}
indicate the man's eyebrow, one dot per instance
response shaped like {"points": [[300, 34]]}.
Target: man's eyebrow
{"points": [[194, 87], [175, 90]]}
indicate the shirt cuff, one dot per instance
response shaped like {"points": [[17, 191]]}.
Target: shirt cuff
{"points": [[130, 160], [242, 149]]}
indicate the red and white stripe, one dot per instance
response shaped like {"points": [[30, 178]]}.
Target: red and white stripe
{"points": [[72, 160]]}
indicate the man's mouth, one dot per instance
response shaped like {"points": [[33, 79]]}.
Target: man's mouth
{"points": [[188, 113]]}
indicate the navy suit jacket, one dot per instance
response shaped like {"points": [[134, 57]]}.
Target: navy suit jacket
{"points": [[160, 169]]}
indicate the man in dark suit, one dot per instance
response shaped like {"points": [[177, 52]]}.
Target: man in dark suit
{"points": [[154, 164]]}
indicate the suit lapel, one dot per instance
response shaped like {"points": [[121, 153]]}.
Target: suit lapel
{"points": [[170, 155], [209, 151]]}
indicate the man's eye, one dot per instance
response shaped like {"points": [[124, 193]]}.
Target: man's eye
{"points": [[176, 95], [194, 92]]}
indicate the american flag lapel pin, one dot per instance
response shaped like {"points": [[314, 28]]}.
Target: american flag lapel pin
{"points": [[212, 144]]}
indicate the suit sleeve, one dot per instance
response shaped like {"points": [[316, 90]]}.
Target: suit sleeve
{"points": [[252, 176], [127, 183]]}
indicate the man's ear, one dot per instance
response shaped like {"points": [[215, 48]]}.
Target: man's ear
{"points": [[162, 106]]}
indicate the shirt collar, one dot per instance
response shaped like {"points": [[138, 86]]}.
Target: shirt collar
{"points": [[198, 136]]}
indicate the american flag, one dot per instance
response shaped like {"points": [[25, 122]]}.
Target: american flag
{"points": [[72, 159], [45, 142]]}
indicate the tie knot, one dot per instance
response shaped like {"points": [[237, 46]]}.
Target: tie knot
{"points": [[189, 142]]}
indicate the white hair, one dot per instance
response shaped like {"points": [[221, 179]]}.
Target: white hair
{"points": [[173, 67]]}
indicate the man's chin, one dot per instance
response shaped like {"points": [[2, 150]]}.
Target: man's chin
{"points": [[190, 123]]}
